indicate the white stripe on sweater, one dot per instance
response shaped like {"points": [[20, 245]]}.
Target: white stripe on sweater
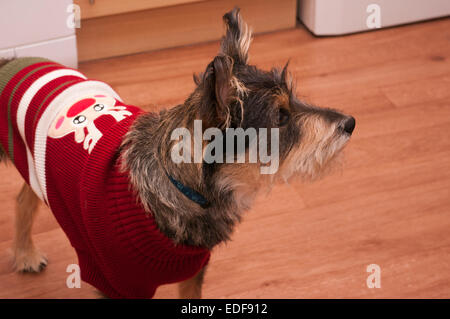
{"points": [[65, 98], [22, 111]]}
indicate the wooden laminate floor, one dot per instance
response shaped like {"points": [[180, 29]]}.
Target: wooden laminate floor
{"points": [[389, 206]]}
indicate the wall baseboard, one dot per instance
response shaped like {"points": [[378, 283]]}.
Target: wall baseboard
{"points": [[178, 25]]}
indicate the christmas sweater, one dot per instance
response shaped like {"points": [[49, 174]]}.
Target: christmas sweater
{"points": [[62, 132]]}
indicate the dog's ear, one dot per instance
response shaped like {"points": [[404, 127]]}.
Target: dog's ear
{"points": [[236, 41], [218, 87], [223, 67]]}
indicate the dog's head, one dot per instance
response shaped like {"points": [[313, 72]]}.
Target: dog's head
{"points": [[240, 130], [235, 94]]}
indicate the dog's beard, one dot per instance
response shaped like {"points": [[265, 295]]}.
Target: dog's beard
{"points": [[317, 155]]}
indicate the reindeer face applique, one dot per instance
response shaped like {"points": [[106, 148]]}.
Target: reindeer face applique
{"points": [[81, 115]]}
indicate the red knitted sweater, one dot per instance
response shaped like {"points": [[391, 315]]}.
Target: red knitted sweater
{"points": [[63, 132]]}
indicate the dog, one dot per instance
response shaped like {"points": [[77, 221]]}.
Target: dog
{"points": [[137, 218]]}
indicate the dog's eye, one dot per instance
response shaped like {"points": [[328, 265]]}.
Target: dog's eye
{"points": [[283, 116], [98, 107]]}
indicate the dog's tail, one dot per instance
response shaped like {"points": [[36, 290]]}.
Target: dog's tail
{"points": [[3, 156]]}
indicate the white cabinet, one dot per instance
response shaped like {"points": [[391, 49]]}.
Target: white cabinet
{"points": [[335, 17], [37, 28]]}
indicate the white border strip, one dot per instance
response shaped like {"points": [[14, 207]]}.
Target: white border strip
{"points": [[22, 111], [85, 88]]}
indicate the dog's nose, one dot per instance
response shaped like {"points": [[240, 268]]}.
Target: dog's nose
{"points": [[349, 125]]}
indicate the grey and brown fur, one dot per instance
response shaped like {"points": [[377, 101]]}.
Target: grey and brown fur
{"points": [[230, 93]]}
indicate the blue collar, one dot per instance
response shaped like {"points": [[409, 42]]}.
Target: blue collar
{"points": [[190, 193]]}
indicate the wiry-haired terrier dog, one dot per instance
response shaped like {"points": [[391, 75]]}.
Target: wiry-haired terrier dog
{"points": [[137, 218]]}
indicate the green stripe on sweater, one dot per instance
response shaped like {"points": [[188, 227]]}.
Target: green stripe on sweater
{"points": [[11, 68], [7, 72], [10, 128]]}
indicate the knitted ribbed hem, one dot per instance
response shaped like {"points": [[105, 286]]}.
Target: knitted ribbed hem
{"points": [[163, 258], [91, 274], [91, 193]]}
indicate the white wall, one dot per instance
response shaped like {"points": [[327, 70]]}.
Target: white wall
{"points": [[37, 28]]}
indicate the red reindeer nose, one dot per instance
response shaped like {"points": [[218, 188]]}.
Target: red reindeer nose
{"points": [[79, 107]]}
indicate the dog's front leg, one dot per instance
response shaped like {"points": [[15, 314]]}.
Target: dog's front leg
{"points": [[192, 288]]}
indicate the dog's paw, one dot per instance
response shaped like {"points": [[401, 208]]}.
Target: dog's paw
{"points": [[30, 261]]}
